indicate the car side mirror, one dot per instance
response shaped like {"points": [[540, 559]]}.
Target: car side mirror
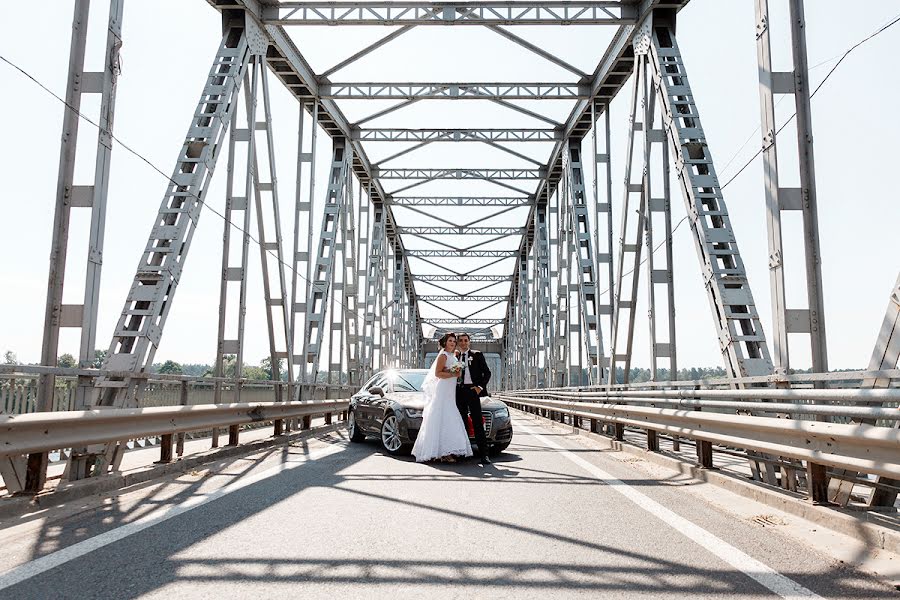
{"points": [[376, 390]]}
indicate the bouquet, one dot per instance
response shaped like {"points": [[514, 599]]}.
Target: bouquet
{"points": [[455, 368]]}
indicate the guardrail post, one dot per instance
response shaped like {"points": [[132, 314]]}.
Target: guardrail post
{"points": [[328, 418], [165, 448], [595, 426], [652, 441], [817, 483], [705, 454], [619, 432], [233, 434], [306, 423], [183, 401]]}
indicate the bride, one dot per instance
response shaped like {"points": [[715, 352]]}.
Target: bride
{"points": [[443, 434]]}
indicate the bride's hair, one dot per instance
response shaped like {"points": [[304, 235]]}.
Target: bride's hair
{"points": [[443, 341]]}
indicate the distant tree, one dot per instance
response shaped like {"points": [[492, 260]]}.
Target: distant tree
{"points": [[67, 361], [251, 372], [195, 369], [10, 358], [266, 365], [171, 367], [99, 357]]}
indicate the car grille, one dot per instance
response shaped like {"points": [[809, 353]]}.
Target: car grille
{"points": [[504, 435], [488, 422]]}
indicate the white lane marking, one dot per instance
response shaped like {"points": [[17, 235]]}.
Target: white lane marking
{"points": [[55, 559], [759, 572]]}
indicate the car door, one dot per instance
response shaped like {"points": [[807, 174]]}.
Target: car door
{"points": [[367, 404], [358, 403], [378, 403]]}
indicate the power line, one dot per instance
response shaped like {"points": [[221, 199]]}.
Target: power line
{"points": [[147, 161], [883, 28]]}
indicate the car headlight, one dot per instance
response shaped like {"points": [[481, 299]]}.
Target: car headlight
{"points": [[502, 413], [413, 413]]}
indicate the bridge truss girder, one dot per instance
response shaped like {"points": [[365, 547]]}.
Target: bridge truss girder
{"points": [[552, 332]]}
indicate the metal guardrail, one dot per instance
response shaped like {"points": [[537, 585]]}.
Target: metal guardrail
{"points": [[43, 432], [169, 406], [19, 388], [863, 448], [849, 427]]}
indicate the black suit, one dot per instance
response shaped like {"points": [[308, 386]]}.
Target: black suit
{"points": [[468, 400]]}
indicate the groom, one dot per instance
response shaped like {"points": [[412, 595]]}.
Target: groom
{"points": [[470, 387]]}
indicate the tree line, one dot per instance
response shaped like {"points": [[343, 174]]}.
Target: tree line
{"points": [[263, 371]]}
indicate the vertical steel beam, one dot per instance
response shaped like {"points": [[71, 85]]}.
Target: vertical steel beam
{"points": [[68, 196], [655, 204], [603, 222], [303, 238], [271, 251], [811, 320], [321, 279], [585, 264], [630, 245], [240, 205]]}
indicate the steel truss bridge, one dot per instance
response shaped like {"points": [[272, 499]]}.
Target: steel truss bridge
{"points": [[366, 279]]}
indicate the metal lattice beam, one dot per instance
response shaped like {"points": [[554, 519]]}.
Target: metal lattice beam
{"points": [[462, 230], [454, 91], [458, 201], [462, 253], [463, 277], [460, 298], [432, 174], [457, 135], [553, 12]]}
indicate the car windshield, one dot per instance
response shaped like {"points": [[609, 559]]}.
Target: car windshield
{"points": [[408, 381]]}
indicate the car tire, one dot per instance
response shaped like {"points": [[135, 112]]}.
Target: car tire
{"points": [[356, 434], [496, 449], [390, 436]]}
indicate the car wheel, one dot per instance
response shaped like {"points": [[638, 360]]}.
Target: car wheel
{"points": [[356, 434], [496, 449], [390, 436]]}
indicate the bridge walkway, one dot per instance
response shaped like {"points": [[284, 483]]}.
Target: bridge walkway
{"points": [[556, 515]]}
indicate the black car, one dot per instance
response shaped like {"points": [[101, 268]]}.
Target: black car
{"points": [[390, 405]]}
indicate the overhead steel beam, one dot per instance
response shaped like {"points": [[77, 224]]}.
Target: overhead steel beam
{"points": [[454, 91], [511, 174], [458, 201], [462, 230], [462, 277], [457, 135], [450, 321], [553, 12], [461, 298], [463, 253]]}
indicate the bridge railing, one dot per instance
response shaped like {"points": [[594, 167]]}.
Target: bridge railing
{"points": [[822, 433], [170, 407]]}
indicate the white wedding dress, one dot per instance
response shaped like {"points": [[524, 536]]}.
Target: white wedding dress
{"points": [[442, 432]]}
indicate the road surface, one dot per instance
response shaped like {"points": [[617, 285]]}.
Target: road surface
{"points": [[555, 516]]}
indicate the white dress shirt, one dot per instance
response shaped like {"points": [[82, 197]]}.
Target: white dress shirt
{"points": [[467, 377]]}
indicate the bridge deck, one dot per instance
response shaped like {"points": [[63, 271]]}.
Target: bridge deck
{"points": [[553, 515]]}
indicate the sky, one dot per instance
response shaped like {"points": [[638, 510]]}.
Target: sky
{"points": [[855, 131]]}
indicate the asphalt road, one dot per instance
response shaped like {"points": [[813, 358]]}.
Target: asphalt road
{"points": [[553, 516]]}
